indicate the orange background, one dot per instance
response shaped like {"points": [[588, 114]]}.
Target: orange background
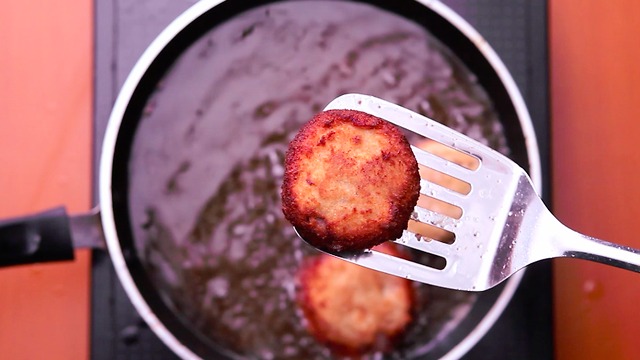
{"points": [[45, 154], [595, 74]]}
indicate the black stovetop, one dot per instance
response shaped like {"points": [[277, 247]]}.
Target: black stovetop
{"points": [[516, 29]]}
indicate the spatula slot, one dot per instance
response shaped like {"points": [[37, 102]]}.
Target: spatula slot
{"points": [[439, 206], [444, 180], [430, 232]]}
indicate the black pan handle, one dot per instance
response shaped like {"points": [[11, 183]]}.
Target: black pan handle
{"points": [[42, 237]]}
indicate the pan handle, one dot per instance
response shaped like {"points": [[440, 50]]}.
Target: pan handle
{"points": [[46, 236]]}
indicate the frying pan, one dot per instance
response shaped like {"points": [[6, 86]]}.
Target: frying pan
{"points": [[48, 236]]}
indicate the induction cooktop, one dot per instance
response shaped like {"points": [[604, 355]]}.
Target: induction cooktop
{"points": [[517, 30]]}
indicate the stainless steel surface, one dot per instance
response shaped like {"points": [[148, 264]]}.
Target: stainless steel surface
{"points": [[86, 230], [504, 226]]}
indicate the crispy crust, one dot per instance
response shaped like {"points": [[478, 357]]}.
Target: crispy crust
{"points": [[351, 181], [351, 309]]}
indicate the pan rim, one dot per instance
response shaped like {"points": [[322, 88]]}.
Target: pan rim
{"points": [[106, 167], [132, 82]]}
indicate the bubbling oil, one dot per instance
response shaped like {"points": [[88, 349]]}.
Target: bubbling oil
{"points": [[207, 163]]}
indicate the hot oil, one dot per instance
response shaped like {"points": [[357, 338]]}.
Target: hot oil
{"points": [[207, 164]]}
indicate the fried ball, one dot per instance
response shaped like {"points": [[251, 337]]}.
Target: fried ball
{"points": [[351, 309], [351, 181]]}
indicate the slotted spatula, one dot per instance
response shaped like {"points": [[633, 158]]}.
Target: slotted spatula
{"points": [[504, 226]]}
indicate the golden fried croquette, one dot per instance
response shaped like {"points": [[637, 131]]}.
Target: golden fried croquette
{"points": [[352, 309], [351, 181]]}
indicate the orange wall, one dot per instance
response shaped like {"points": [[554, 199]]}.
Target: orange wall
{"points": [[595, 73], [45, 144]]}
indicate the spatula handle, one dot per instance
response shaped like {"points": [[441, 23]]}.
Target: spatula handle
{"points": [[605, 252], [45, 236]]}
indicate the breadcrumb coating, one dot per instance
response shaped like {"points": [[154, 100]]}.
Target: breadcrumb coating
{"points": [[351, 181]]}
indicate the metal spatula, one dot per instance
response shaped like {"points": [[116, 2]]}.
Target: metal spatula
{"points": [[504, 225]]}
